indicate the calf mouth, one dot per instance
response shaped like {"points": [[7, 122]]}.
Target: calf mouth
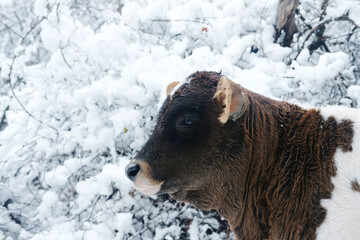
{"points": [[142, 185], [171, 188]]}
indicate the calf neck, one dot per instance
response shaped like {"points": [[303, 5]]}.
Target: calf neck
{"points": [[269, 167]]}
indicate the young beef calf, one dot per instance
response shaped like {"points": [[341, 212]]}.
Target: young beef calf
{"points": [[272, 169]]}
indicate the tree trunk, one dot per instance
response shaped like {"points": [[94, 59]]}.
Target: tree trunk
{"points": [[286, 20]]}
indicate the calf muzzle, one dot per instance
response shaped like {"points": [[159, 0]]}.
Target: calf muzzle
{"points": [[140, 173]]}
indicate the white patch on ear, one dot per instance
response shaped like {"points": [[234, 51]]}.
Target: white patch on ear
{"points": [[173, 87], [229, 94]]}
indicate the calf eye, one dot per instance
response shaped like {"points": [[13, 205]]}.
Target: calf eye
{"points": [[187, 121]]}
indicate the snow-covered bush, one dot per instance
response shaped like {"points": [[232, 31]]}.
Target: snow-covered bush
{"points": [[81, 83]]}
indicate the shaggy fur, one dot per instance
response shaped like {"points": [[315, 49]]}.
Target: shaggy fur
{"points": [[265, 172]]}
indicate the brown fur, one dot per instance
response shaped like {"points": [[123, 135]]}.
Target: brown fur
{"points": [[265, 173]]}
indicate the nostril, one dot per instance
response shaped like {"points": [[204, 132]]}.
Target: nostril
{"points": [[132, 170]]}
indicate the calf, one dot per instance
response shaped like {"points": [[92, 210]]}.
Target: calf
{"points": [[272, 169]]}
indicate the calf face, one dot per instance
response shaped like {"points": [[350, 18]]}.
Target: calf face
{"points": [[189, 152]]}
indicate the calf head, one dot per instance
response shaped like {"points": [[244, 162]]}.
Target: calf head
{"points": [[194, 149]]}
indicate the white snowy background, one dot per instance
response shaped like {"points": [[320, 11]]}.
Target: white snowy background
{"points": [[81, 82]]}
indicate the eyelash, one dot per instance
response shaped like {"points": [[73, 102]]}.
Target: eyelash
{"points": [[189, 120]]}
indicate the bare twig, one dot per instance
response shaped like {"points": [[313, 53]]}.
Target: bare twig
{"points": [[19, 20], [12, 89], [324, 5], [3, 119], [92, 210], [31, 29], [37, 22], [341, 18], [17, 99], [10, 29], [63, 56], [321, 25]]}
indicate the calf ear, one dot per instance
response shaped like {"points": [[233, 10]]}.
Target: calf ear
{"points": [[229, 95], [171, 87]]}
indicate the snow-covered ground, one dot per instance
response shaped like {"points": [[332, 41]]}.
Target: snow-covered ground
{"points": [[81, 82]]}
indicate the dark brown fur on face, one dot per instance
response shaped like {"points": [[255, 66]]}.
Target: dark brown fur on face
{"points": [[265, 171]]}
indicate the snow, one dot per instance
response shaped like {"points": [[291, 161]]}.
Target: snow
{"points": [[354, 92], [50, 201], [350, 7], [193, 230], [5, 194], [92, 75], [40, 8]]}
